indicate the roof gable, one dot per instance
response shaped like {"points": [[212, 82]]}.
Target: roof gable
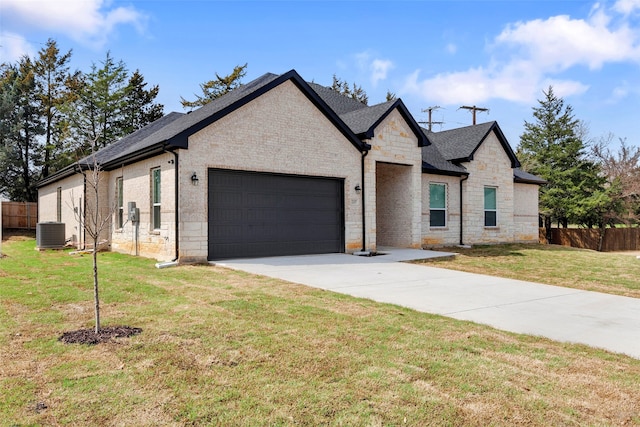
{"points": [[364, 121], [460, 145], [235, 99]]}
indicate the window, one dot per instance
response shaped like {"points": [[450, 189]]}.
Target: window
{"points": [[437, 205], [490, 211], [155, 198], [120, 203], [59, 204]]}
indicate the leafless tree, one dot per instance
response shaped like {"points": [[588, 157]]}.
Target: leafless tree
{"points": [[622, 168], [95, 220]]}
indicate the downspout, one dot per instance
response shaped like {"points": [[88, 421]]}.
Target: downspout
{"points": [[461, 211], [364, 226], [176, 184]]}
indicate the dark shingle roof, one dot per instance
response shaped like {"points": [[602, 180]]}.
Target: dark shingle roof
{"points": [[459, 145], [135, 141], [339, 103], [434, 162], [525, 177], [361, 120]]}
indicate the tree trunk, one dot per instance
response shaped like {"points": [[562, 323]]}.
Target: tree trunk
{"points": [[603, 230], [95, 284], [547, 227]]}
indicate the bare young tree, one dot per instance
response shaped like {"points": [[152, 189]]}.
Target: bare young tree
{"points": [[622, 169], [95, 220]]}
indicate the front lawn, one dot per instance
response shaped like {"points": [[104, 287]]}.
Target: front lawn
{"points": [[612, 273], [222, 347]]}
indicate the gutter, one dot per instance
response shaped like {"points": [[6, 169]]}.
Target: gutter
{"points": [[461, 211]]}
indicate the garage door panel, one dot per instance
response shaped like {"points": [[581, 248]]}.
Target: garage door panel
{"points": [[257, 214]]}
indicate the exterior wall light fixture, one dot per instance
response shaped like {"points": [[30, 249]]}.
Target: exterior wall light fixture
{"points": [[358, 189], [194, 179]]}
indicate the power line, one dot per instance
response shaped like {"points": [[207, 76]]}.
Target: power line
{"points": [[430, 122], [474, 109]]}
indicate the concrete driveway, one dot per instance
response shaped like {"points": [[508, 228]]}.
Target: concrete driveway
{"points": [[563, 314]]}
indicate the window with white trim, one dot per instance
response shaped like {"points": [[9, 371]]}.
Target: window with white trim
{"points": [[120, 203], [490, 207], [155, 198], [437, 205]]}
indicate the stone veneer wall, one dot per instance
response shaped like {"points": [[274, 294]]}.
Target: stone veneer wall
{"points": [[525, 215], [137, 187], [450, 233], [490, 167], [394, 143]]}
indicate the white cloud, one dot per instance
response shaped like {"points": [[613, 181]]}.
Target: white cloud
{"points": [[86, 21], [14, 46], [564, 88], [516, 82], [626, 6], [451, 48], [560, 42], [624, 90], [379, 69], [530, 56], [376, 68]]}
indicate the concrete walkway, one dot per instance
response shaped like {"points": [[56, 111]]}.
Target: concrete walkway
{"points": [[563, 314]]}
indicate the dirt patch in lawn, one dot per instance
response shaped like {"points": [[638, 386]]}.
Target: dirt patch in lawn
{"points": [[89, 336]]}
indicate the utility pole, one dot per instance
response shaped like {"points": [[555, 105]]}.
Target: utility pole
{"points": [[473, 109], [430, 122]]}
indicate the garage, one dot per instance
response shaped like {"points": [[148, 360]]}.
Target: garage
{"points": [[252, 214]]}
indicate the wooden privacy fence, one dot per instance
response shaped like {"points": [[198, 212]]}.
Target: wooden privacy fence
{"points": [[615, 239], [19, 215]]}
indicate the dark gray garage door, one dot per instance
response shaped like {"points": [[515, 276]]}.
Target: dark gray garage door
{"points": [[257, 214]]}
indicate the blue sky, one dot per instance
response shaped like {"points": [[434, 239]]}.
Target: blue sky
{"points": [[498, 54]]}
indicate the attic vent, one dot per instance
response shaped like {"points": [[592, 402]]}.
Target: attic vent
{"points": [[50, 235]]}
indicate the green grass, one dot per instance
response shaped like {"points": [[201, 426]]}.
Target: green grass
{"points": [[221, 347], [612, 273]]}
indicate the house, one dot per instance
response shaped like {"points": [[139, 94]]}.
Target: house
{"points": [[281, 166]]}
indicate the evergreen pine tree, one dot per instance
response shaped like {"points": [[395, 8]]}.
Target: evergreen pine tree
{"points": [[217, 87], [55, 85], [20, 128], [140, 110], [551, 148]]}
